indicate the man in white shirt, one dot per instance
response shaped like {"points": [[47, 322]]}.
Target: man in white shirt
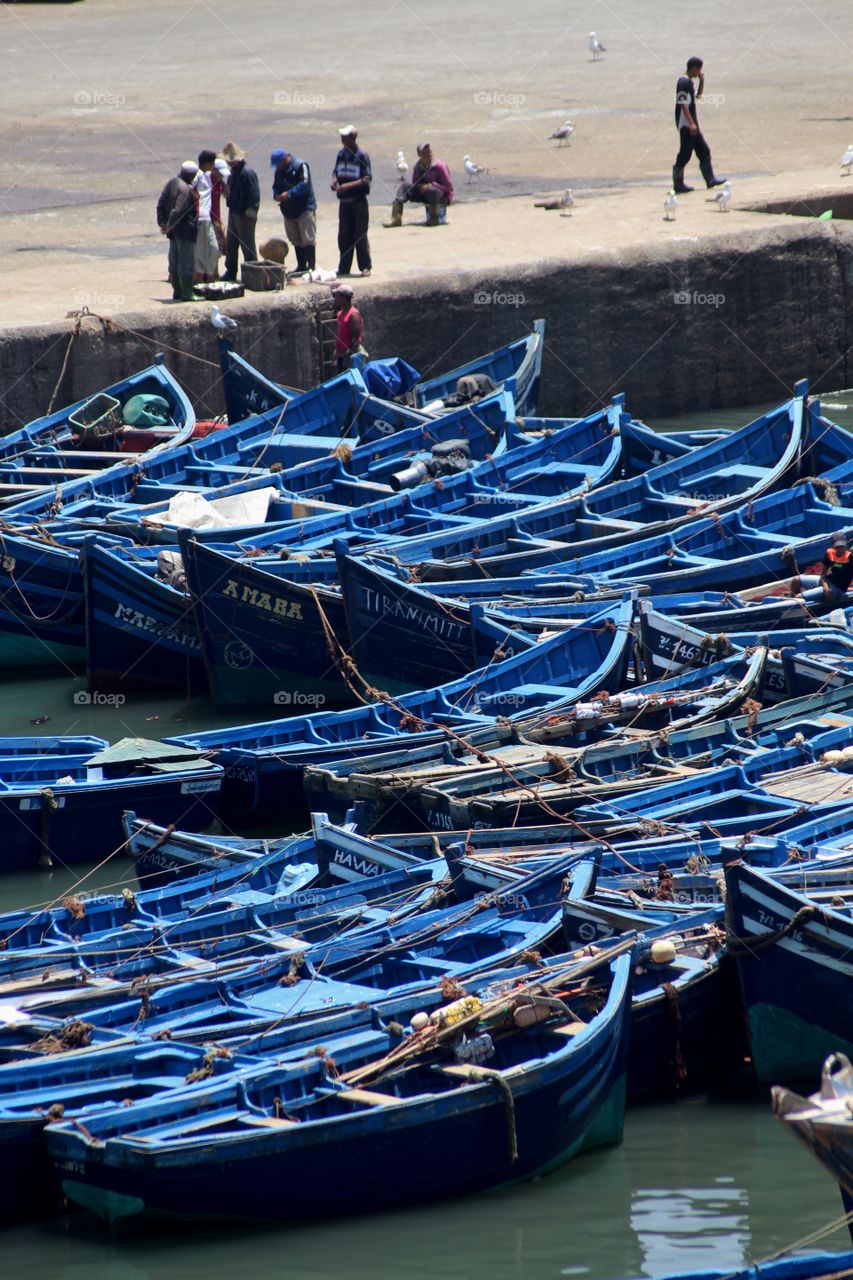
{"points": [[206, 245]]}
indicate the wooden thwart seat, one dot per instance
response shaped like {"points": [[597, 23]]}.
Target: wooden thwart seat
{"points": [[367, 1097]]}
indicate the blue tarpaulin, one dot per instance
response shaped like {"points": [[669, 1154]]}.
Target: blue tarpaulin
{"points": [[389, 378]]}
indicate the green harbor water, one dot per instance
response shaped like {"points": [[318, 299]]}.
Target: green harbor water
{"points": [[702, 1182]]}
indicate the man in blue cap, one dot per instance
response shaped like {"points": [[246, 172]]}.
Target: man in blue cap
{"points": [[293, 192]]}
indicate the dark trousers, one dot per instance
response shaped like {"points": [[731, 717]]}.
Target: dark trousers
{"points": [[240, 236], [690, 143], [353, 217], [406, 191]]}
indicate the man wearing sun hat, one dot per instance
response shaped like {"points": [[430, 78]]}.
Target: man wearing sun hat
{"points": [[244, 198], [351, 179], [293, 192], [431, 185]]}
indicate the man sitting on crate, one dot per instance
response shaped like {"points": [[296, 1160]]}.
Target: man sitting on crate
{"points": [[431, 185], [177, 218], [293, 192]]}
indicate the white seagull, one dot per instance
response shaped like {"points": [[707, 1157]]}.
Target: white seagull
{"points": [[402, 166], [567, 203], [723, 197], [563, 134], [221, 322], [847, 161], [595, 46], [670, 205], [473, 169]]}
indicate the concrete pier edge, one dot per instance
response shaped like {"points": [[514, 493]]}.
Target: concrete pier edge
{"points": [[706, 323]]}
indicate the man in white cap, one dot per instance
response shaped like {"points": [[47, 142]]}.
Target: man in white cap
{"points": [[177, 218], [351, 179]]}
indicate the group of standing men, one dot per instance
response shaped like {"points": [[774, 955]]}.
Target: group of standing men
{"points": [[190, 212], [190, 215], [190, 209]]}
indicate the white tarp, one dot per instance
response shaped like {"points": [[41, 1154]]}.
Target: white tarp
{"points": [[191, 510]]}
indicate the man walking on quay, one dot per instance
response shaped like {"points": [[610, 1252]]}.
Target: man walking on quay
{"points": [[687, 124], [431, 185], [351, 178], [244, 198], [293, 192]]}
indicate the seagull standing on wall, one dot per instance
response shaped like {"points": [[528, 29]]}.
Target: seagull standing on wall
{"points": [[847, 161], [221, 322], [595, 46]]}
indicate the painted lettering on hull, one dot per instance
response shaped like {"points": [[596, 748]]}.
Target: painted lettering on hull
{"points": [[380, 605], [139, 621], [278, 605]]}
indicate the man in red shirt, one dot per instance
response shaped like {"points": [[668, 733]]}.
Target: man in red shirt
{"points": [[349, 327], [431, 185]]}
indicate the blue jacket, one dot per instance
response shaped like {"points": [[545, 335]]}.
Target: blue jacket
{"points": [[296, 179]]}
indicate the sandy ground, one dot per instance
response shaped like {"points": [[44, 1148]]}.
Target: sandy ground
{"points": [[102, 100]]}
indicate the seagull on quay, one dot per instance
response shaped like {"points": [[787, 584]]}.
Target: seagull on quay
{"points": [[567, 202], [595, 46], [402, 165], [670, 205], [722, 198], [847, 161], [563, 134], [473, 169], [221, 322]]}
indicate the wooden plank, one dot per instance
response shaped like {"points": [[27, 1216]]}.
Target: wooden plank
{"points": [[367, 1097], [270, 1122]]}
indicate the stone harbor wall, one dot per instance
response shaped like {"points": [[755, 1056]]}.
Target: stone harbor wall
{"points": [[732, 320]]}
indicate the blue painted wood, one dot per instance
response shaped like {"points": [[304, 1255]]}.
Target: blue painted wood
{"points": [[567, 1095], [794, 970]]}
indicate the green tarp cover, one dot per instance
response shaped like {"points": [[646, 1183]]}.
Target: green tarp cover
{"points": [[136, 750]]}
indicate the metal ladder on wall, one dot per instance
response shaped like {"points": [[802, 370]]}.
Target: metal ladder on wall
{"points": [[326, 327]]}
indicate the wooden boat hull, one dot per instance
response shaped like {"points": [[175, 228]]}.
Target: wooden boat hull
{"points": [[795, 986], [139, 631], [451, 1143]]}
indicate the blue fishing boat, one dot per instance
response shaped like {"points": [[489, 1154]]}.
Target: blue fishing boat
{"points": [[87, 435], [808, 1266], [794, 973], [797, 666], [68, 806], [551, 1090], [264, 762], [516, 366], [716, 478]]}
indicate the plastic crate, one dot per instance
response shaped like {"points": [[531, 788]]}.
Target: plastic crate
{"points": [[219, 290], [99, 416], [262, 276]]}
